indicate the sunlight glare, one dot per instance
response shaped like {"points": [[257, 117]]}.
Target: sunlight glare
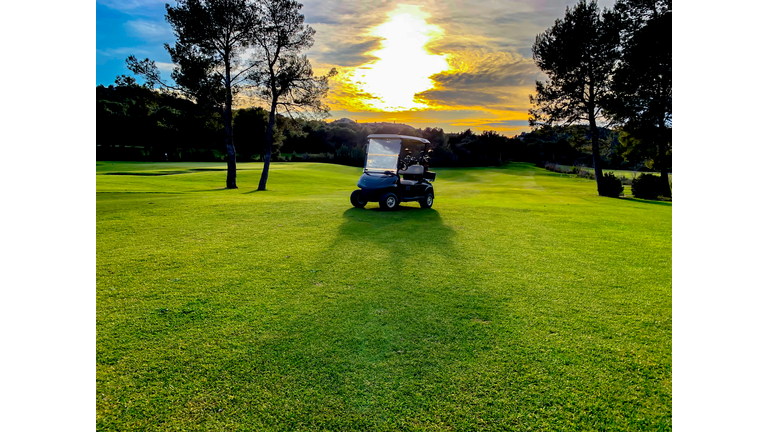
{"points": [[404, 66]]}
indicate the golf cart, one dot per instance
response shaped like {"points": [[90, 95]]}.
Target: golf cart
{"points": [[393, 174]]}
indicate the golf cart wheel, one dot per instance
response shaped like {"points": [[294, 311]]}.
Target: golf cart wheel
{"points": [[427, 201], [388, 201], [357, 199]]}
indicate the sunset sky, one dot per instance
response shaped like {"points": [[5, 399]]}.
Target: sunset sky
{"points": [[452, 64]]}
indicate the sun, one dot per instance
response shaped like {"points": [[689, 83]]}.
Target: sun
{"points": [[403, 66]]}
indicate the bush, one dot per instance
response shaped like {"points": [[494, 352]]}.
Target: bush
{"points": [[611, 186], [317, 157], [551, 166], [583, 173], [646, 186]]}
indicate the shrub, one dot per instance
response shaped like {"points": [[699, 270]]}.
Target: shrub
{"points": [[646, 186], [585, 173], [551, 166], [317, 157], [611, 185]]}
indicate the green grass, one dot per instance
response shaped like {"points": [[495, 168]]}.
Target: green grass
{"points": [[521, 301]]}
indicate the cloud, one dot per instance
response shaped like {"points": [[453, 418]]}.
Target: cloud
{"points": [[165, 67], [447, 99], [129, 5], [349, 53], [512, 99], [122, 52], [493, 80], [346, 12], [483, 69], [149, 30], [345, 95], [492, 123]]}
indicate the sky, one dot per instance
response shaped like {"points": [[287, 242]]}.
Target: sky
{"points": [[451, 64]]}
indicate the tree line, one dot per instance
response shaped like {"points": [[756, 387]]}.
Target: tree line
{"points": [[135, 122]]}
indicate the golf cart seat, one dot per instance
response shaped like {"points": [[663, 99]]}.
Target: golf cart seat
{"points": [[413, 170]]}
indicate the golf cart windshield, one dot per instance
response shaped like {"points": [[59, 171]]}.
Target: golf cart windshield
{"points": [[382, 155]]}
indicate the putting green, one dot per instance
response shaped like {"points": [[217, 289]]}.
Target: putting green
{"points": [[520, 301]]}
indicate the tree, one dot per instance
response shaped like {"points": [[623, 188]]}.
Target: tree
{"points": [[212, 36], [283, 78], [250, 130], [493, 146], [578, 54], [642, 88]]}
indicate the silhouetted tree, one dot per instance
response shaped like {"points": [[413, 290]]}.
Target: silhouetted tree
{"points": [[642, 86], [145, 124], [493, 146], [283, 78], [578, 54], [250, 130], [125, 81], [212, 36]]}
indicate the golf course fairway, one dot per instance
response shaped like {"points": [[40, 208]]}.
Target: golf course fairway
{"points": [[520, 301]]}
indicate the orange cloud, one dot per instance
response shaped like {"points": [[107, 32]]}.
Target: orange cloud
{"points": [[485, 85]]}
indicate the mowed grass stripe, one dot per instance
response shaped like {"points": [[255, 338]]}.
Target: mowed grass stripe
{"points": [[521, 301]]}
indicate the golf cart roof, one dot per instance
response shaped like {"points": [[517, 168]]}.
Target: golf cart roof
{"points": [[395, 136]]}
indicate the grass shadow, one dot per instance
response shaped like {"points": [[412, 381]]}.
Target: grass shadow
{"points": [[422, 230], [147, 174], [664, 203], [213, 190], [395, 320]]}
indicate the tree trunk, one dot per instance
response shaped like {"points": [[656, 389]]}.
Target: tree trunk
{"points": [[596, 152], [663, 169], [229, 139], [231, 155], [666, 191], [268, 149]]}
